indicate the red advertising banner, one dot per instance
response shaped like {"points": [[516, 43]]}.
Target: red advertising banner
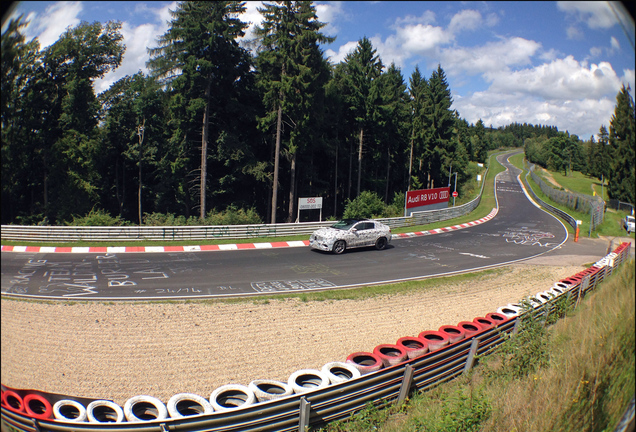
{"points": [[426, 197]]}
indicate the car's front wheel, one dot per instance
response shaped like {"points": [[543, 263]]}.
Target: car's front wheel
{"points": [[339, 247], [380, 243]]}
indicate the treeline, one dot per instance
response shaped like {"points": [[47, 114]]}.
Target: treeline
{"points": [[610, 159], [214, 127]]}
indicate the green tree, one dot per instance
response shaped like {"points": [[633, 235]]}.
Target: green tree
{"points": [[292, 73], [441, 122], [363, 68], [201, 61], [622, 137], [21, 128], [418, 152]]}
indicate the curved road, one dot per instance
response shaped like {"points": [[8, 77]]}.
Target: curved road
{"points": [[519, 231]]}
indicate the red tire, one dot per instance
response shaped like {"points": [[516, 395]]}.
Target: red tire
{"points": [[455, 334], [365, 362], [484, 323], [390, 355], [13, 401], [470, 328], [435, 339], [37, 406], [414, 346], [497, 318]]}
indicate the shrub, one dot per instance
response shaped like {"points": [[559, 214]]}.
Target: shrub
{"points": [[366, 206], [97, 218], [233, 216]]}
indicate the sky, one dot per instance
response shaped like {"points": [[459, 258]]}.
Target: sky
{"points": [[543, 63]]}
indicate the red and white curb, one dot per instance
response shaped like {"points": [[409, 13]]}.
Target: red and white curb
{"points": [[222, 247]]}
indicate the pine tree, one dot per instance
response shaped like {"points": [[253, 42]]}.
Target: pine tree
{"points": [[291, 73], [440, 120], [200, 59], [622, 137]]}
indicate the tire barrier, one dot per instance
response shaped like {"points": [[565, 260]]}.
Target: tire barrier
{"points": [[13, 400], [37, 406], [471, 328], [103, 411], [510, 310], [266, 390], [497, 318], [390, 354], [454, 333], [435, 339], [306, 380], [231, 396], [69, 410], [485, 323], [365, 362], [338, 372], [414, 346], [188, 404], [144, 408], [419, 371]]}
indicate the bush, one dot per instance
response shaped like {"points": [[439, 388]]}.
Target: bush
{"points": [[369, 205], [233, 216], [97, 218]]}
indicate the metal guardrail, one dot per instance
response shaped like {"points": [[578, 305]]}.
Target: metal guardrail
{"points": [[560, 213], [575, 201], [202, 233], [318, 407]]}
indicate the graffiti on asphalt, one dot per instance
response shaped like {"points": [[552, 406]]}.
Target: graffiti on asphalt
{"points": [[529, 237], [291, 285]]}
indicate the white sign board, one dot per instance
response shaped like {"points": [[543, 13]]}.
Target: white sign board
{"points": [[309, 203]]}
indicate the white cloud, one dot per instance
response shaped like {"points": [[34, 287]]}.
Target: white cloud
{"points": [[594, 14], [465, 20], [336, 57], [490, 58], [330, 13], [53, 23], [562, 79]]}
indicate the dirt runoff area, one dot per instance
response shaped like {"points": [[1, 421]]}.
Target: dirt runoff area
{"points": [[120, 350]]}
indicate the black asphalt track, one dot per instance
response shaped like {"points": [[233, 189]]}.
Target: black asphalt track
{"points": [[519, 231]]}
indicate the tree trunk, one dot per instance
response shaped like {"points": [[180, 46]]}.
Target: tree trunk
{"points": [[276, 159], [292, 189], [204, 152], [360, 160]]}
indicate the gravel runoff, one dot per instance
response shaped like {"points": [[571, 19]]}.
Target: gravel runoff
{"points": [[119, 350]]}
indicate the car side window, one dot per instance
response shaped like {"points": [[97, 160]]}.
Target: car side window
{"points": [[364, 226]]}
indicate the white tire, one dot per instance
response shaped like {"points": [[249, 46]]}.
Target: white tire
{"points": [[144, 408], [232, 396], [543, 296], [510, 310], [267, 390], [69, 410], [306, 380], [338, 372], [188, 404], [103, 411]]}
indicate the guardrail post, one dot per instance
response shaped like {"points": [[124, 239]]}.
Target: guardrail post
{"points": [[304, 414], [515, 329], [470, 360], [164, 428], [407, 381]]}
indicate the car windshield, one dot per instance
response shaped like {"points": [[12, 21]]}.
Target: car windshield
{"points": [[344, 224], [630, 219]]}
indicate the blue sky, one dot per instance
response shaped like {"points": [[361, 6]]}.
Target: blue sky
{"points": [[549, 63]]}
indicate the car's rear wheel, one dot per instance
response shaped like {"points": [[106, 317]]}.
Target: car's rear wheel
{"points": [[339, 247], [380, 243]]}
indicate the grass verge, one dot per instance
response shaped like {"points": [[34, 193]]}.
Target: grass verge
{"points": [[576, 375]]}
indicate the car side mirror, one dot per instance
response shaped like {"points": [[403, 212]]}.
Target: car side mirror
{"points": [[354, 229]]}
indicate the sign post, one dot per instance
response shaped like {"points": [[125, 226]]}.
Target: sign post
{"points": [[309, 204]]}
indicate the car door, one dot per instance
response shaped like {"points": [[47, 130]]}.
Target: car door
{"points": [[364, 234]]}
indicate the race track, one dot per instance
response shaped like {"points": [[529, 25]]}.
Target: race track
{"points": [[518, 232]]}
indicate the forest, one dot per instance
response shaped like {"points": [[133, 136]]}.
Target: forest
{"points": [[215, 128]]}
